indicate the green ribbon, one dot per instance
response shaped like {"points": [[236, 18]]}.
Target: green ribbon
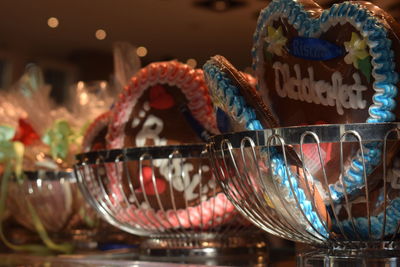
{"points": [[58, 137], [63, 248], [61, 136], [3, 197], [6, 133], [11, 152], [11, 155]]}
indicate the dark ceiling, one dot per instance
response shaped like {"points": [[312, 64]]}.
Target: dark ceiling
{"points": [[180, 29]]}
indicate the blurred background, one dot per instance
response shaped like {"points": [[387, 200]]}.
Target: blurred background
{"points": [[72, 40]]}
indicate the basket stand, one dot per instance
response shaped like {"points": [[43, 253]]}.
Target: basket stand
{"points": [[279, 180], [205, 231]]}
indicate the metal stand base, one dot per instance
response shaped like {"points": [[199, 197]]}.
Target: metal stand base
{"points": [[205, 250], [349, 258]]}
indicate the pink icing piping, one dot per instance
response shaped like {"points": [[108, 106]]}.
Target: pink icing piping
{"points": [[190, 81], [216, 210]]}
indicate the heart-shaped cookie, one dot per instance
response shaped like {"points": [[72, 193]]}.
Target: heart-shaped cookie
{"points": [[232, 93], [166, 103], [357, 83], [160, 98], [336, 65], [243, 108]]}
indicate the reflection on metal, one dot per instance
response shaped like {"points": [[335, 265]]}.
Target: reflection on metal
{"points": [[169, 195], [284, 181], [58, 203]]}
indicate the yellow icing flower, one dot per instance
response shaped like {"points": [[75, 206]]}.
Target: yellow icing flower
{"points": [[275, 40], [357, 50]]}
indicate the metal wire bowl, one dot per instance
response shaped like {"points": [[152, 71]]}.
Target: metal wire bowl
{"points": [[59, 205], [284, 180], [168, 195]]}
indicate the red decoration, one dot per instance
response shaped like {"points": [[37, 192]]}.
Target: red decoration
{"points": [[160, 99], [147, 173], [149, 187], [148, 183], [25, 133]]}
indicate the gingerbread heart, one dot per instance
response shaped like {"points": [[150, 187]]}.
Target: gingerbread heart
{"points": [[234, 97], [336, 66], [165, 103], [160, 98], [340, 61], [244, 109]]}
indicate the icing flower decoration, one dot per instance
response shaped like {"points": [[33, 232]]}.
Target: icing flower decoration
{"points": [[160, 98], [275, 40], [356, 48], [358, 55]]}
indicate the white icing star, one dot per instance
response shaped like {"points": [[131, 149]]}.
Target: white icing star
{"points": [[275, 40]]}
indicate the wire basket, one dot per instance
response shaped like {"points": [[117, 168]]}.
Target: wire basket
{"points": [[168, 195], [58, 204], [335, 187]]}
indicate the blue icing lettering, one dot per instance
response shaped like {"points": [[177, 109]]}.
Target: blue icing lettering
{"points": [[314, 49]]}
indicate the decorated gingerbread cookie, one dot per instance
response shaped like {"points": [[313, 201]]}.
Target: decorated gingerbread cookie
{"points": [[232, 92], [190, 199], [329, 66], [242, 107], [166, 103], [340, 61], [374, 216], [158, 99]]}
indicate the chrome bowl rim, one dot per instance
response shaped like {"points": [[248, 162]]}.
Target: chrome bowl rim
{"points": [[327, 133], [136, 153]]}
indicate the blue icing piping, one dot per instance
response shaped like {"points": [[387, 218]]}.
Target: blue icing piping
{"points": [[225, 92], [219, 85], [361, 224], [383, 71]]}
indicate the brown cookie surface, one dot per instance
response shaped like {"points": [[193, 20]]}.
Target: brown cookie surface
{"points": [[248, 92], [303, 86], [166, 103], [160, 118]]}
